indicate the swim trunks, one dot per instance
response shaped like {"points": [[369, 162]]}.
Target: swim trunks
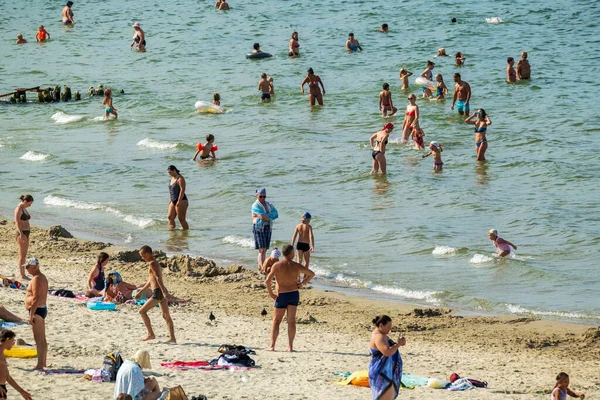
{"points": [[203, 157], [265, 96], [462, 106], [375, 153], [26, 233], [262, 239], [157, 294], [5, 393], [302, 246], [287, 299], [41, 311], [108, 110], [386, 107], [438, 164]]}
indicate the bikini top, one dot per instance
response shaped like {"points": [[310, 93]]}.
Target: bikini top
{"points": [[411, 113], [25, 216], [199, 146], [377, 141], [481, 129]]}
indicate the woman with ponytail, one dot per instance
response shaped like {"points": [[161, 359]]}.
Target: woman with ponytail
{"points": [[22, 218], [96, 283], [385, 369]]}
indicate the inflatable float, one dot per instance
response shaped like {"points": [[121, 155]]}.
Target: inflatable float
{"points": [[258, 55], [98, 306], [494, 20], [206, 107], [21, 352], [426, 83]]}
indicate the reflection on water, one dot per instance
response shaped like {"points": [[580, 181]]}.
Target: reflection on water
{"points": [[481, 173], [178, 241]]}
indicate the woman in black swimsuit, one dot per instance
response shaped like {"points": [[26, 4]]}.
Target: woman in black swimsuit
{"points": [[178, 203], [378, 143], [314, 93], [22, 218], [139, 37]]}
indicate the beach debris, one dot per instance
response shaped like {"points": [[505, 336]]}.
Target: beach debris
{"points": [[211, 317], [307, 319], [52, 94], [264, 313], [428, 312], [77, 95], [134, 255], [57, 231]]}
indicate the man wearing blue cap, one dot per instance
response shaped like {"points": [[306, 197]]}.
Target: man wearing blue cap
{"points": [[306, 239], [263, 215]]}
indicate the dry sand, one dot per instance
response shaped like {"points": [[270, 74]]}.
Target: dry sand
{"points": [[519, 357]]}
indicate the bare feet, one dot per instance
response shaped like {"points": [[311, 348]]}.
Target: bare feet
{"points": [[172, 341], [272, 348], [149, 337], [290, 349], [38, 368]]}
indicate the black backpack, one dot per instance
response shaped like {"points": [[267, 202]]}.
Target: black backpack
{"points": [[112, 363]]}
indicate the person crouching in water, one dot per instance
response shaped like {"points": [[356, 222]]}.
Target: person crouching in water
{"points": [[208, 149], [436, 150], [108, 103], [502, 245]]}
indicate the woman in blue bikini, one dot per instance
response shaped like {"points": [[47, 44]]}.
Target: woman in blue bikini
{"points": [[352, 44], [385, 368], [483, 121]]}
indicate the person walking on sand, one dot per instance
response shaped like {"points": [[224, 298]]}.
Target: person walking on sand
{"points": [[523, 67], [378, 142], [67, 14], [306, 239], [263, 215], [139, 37], [35, 304], [22, 218], [385, 102], [502, 245], [287, 296], [160, 296], [107, 101], [385, 368], [7, 341], [314, 93], [178, 203], [462, 95]]}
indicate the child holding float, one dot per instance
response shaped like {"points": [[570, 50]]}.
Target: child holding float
{"points": [[208, 149]]}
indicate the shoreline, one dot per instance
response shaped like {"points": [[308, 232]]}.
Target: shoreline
{"points": [[517, 356]]}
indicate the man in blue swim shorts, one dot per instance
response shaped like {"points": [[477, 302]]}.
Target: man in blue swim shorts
{"points": [[462, 95], [287, 297]]}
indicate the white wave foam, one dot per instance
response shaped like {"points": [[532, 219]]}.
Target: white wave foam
{"points": [[428, 296], [443, 250], [56, 201], [1, 145], [62, 118], [34, 156], [238, 240], [129, 238], [480, 259], [155, 144], [494, 20], [516, 309], [100, 118]]}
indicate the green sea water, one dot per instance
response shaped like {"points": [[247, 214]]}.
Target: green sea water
{"points": [[412, 236]]}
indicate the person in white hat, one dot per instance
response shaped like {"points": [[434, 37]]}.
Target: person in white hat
{"points": [[435, 150], [139, 37], [502, 245], [35, 303]]}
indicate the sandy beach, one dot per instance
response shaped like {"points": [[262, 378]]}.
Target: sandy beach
{"points": [[518, 357]]}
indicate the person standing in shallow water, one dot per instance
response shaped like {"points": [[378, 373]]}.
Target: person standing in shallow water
{"points": [[294, 46], [287, 296], [178, 203], [263, 215], [139, 37], [462, 95], [67, 14], [523, 67], [22, 218], [314, 92]]}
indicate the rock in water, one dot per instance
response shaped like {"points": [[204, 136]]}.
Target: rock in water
{"points": [[77, 95]]}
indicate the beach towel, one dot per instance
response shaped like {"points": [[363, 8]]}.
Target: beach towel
{"points": [[8, 325], [199, 365], [408, 381], [461, 384], [62, 371], [130, 379], [385, 372], [411, 381], [258, 208]]}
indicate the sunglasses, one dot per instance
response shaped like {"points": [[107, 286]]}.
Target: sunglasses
{"points": [[412, 98], [262, 197]]}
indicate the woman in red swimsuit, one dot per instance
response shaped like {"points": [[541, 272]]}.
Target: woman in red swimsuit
{"points": [[411, 120]]}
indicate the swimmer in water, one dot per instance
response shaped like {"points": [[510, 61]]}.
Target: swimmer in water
{"points": [[314, 92], [511, 74], [378, 143], [404, 74], [294, 47], [441, 52], [442, 89], [460, 59], [67, 14], [523, 67], [271, 87], [222, 5], [411, 120], [216, 99], [483, 121], [265, 87], [108, 103], [42, 35], [352, 44], [436, 150], [139, 37], [502, 245], [384, 28], [208, 149], [385, 102], [20, 39], [428, 74]]}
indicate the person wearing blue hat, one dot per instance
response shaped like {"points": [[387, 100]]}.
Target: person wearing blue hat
{"points": [[263, 215], [304, 233]]}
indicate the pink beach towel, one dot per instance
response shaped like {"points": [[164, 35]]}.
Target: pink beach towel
{"points": [[202, 365]]}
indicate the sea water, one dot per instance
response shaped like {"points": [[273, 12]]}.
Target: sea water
{"points": [[411, 236]]}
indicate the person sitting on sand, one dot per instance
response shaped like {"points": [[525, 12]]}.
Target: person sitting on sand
{"points": [[385, 368], [287, 296], [42, 34], [275, 256], [130, 379], [7, 341], [208, 149], [502, 245], [8, 316], [119, 291], [95, 282], [561, 389], [20, 39]]}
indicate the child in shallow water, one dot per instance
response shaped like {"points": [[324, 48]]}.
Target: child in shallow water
{"points": [[404, 74], [306, 239], [435, 150], [502, 245], [442, 89], [207, 150], [561, 389], [216, 99], [107, 101]]}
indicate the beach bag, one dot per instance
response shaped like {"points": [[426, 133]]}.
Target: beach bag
{"points": [[177, 393], [112, 363]]}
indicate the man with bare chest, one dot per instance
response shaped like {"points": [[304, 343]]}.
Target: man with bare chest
{"points": [[35, 303], [462, 95]]}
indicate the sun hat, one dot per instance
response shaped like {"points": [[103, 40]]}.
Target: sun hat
{"points": [[434, 143], [276, 253], [493, 232], [137, 25]]}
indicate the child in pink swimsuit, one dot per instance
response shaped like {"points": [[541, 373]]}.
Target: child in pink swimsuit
{"points": [[502, 245]]}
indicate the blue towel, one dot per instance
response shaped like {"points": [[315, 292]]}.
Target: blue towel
{"points": [[8, 325], [385, 372], [258, 208]]}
